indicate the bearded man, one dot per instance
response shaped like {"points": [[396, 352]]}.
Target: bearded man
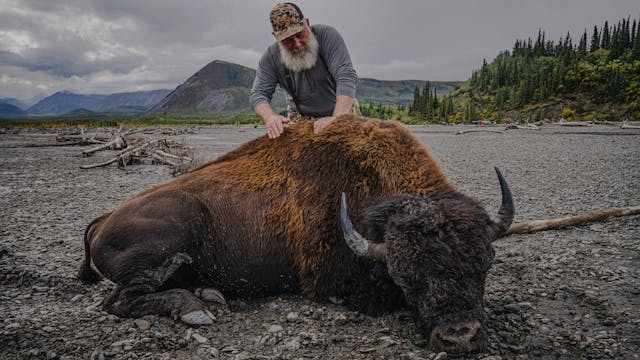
{"points": [[312, 64]]}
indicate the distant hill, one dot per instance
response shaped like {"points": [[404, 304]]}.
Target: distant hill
{"points": [[10, 110], [223, 87], [397, 92], [15, 102], [130, 100], [64, 102]]}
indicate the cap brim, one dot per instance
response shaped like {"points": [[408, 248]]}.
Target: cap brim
{"points": [[292, 30]]}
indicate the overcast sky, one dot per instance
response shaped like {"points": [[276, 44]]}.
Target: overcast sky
{"points": [[107, 46]]}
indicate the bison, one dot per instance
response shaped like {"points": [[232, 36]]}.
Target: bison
{"points": [[272, 216]]}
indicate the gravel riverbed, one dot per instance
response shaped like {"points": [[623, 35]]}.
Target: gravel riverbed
{"points": [[564, 294]]}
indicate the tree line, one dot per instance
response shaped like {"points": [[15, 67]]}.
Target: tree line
{"points": [[605, 67]]}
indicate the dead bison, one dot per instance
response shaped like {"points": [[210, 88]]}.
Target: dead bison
{"points": [[267, 218]]}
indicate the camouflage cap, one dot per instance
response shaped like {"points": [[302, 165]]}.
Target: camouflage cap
{"points": [[286, 20]]}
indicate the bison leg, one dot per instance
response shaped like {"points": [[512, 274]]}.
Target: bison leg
{"points": [[140, 296]]}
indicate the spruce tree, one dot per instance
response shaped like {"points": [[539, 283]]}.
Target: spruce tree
{"points": [[595, 40], [617, 42], [415, 105], [605, 36], [582, 47], [635, 49]]}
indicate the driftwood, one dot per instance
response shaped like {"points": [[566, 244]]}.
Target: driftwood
{"points": [[574, 123], [565, 222], [80, 137], [137, 150], [627, 126], [522, 127], [460, 131]]}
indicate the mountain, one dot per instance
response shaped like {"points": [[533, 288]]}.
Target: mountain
{"points": [[10, 110], [15, 102], [64, 102], [222, 87], [219, 87], [138, 99]]}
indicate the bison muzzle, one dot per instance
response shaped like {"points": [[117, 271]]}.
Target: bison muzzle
{"points": [[268, 218]]}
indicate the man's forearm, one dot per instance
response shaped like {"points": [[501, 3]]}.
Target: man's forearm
{"points": [[343, 105], [264, 110]]}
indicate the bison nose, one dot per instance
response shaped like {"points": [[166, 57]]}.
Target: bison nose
{"points": [[464, 337]]}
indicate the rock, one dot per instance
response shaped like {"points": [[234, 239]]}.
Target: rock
{"points": [[292, 316], [12, 326], [292, 344], [275, 329], [411, 356], [197, 317], [199, 338], [341, 319], [142, 324], [440, 356], [124, 343]]}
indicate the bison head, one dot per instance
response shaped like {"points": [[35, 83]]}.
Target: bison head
{"points": [[437, 250]]}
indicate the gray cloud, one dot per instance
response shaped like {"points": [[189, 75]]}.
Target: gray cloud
{"points": [[95, 46]]}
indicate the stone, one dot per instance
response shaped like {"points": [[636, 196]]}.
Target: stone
{"points": [[275, 329], [142, 324], [197, 317], [199, 338]]}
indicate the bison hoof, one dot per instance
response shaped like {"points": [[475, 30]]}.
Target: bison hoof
{"points": [[198, 317], [210, 295]]}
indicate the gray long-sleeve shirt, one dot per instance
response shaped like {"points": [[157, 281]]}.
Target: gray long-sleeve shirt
{"points": [[316, 89]]}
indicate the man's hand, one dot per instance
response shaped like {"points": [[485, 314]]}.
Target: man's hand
{"points": [[322, 123], [274, 125]]}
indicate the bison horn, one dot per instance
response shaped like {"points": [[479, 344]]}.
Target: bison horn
{"points": [[506, 212], [358, 243]]}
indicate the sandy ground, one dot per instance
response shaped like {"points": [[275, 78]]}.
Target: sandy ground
{"points": [[567, 294]]}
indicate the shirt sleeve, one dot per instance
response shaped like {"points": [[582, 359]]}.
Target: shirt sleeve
{"points": [[339, 61], [264, 84]]}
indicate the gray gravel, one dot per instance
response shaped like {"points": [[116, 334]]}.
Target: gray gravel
{"points": [[569, 294]]}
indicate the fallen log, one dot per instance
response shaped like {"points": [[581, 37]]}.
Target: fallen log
{"points": [[460, 131], [565, 222], [104, 163], [522, 127], [627, 126], [574, 123]]}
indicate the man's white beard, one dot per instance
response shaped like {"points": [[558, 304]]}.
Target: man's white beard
{"points": [[302, 59]]}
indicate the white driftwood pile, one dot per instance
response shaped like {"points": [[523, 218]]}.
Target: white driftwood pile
{"points": [[132, 150]]}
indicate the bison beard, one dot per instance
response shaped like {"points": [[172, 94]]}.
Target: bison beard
{"points": [[428, 246]]}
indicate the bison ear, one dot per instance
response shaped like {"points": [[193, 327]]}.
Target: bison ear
{"points": [[356, 242]]}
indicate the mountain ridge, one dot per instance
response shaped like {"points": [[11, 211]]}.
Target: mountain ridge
{"points": [[224, 87], [220, 87], [65, 101]]}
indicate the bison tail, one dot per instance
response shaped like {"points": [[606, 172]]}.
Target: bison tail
{"points": [[87, 275]]}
